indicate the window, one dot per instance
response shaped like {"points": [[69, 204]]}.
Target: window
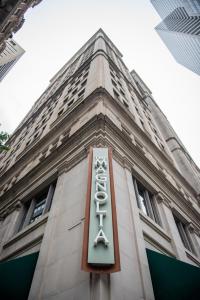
{"points": [[116, 95], [28, 143], [113, 76], [38, 209], [65, 100], [74, 92], [159, 143], [184, 234], [71, 102], [81, 93], [43, 121], [60, 112], [77, 83], [36, 135], [154, 130], [119, 83], [146, 201], [37, 206], [142, 123], [84, 83], [122, 92], [13, 43], [125, 104], [37, 127], [137, 109], [114, 83], [85, 75]]}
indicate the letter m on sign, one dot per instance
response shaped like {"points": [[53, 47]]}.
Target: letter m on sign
{"points": [[100, 161]]}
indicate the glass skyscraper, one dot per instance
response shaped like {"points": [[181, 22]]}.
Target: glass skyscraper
{"points": [[180, 30], [8, 58]]}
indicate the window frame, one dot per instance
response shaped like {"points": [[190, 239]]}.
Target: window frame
{"points": [[30, 205], [149, 202], [185, 236]]}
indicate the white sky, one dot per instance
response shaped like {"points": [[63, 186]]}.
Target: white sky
{"points": [[55, 30]]}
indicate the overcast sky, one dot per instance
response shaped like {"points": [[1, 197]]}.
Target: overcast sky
{"points": [[55, 30]]}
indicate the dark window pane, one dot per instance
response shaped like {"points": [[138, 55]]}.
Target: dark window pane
{"points": [[183, 234], [38, 210]]}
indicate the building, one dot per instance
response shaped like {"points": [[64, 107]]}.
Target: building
{"points": [[98, 186], [180, 30], [12, 17], [9, 57], [164, 8]]}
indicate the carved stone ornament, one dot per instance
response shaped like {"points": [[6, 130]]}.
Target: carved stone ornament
{"points": [[18, 205], [191, 227], [159, 197]]}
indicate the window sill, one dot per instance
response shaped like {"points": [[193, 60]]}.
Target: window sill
{"points": [[25, 231], [155, 226], [192, 257]]}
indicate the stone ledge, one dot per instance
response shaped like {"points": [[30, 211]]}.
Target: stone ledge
{"points": [[192, 257], [24, 232], [155, 227]]}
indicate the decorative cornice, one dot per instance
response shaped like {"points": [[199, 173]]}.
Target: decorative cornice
{"points": [[160, 198], [18, 205], [127, 164]]}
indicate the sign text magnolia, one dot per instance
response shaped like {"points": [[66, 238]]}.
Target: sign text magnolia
{"points": [[100, 246]]}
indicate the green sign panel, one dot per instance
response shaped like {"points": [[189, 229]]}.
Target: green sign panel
{"points": [[100, 247]]}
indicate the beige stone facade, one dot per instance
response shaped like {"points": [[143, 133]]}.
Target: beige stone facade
{"points": [[95, 101]]}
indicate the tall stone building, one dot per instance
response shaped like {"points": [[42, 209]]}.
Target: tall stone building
{"points": [[9, 57], [98, 186], [180, 30]]}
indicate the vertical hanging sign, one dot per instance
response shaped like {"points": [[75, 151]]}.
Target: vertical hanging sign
{"points": [[100, 243], [100, 246]]}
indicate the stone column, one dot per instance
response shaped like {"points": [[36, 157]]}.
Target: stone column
{"points": [[134, 281], [58, 273], [100, 287], [168, 222]]}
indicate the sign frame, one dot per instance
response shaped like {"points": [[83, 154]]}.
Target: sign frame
{"points": [[96, 268]]}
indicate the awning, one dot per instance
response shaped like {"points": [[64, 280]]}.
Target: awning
{"points": [[173, 279], [16, 277]]}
